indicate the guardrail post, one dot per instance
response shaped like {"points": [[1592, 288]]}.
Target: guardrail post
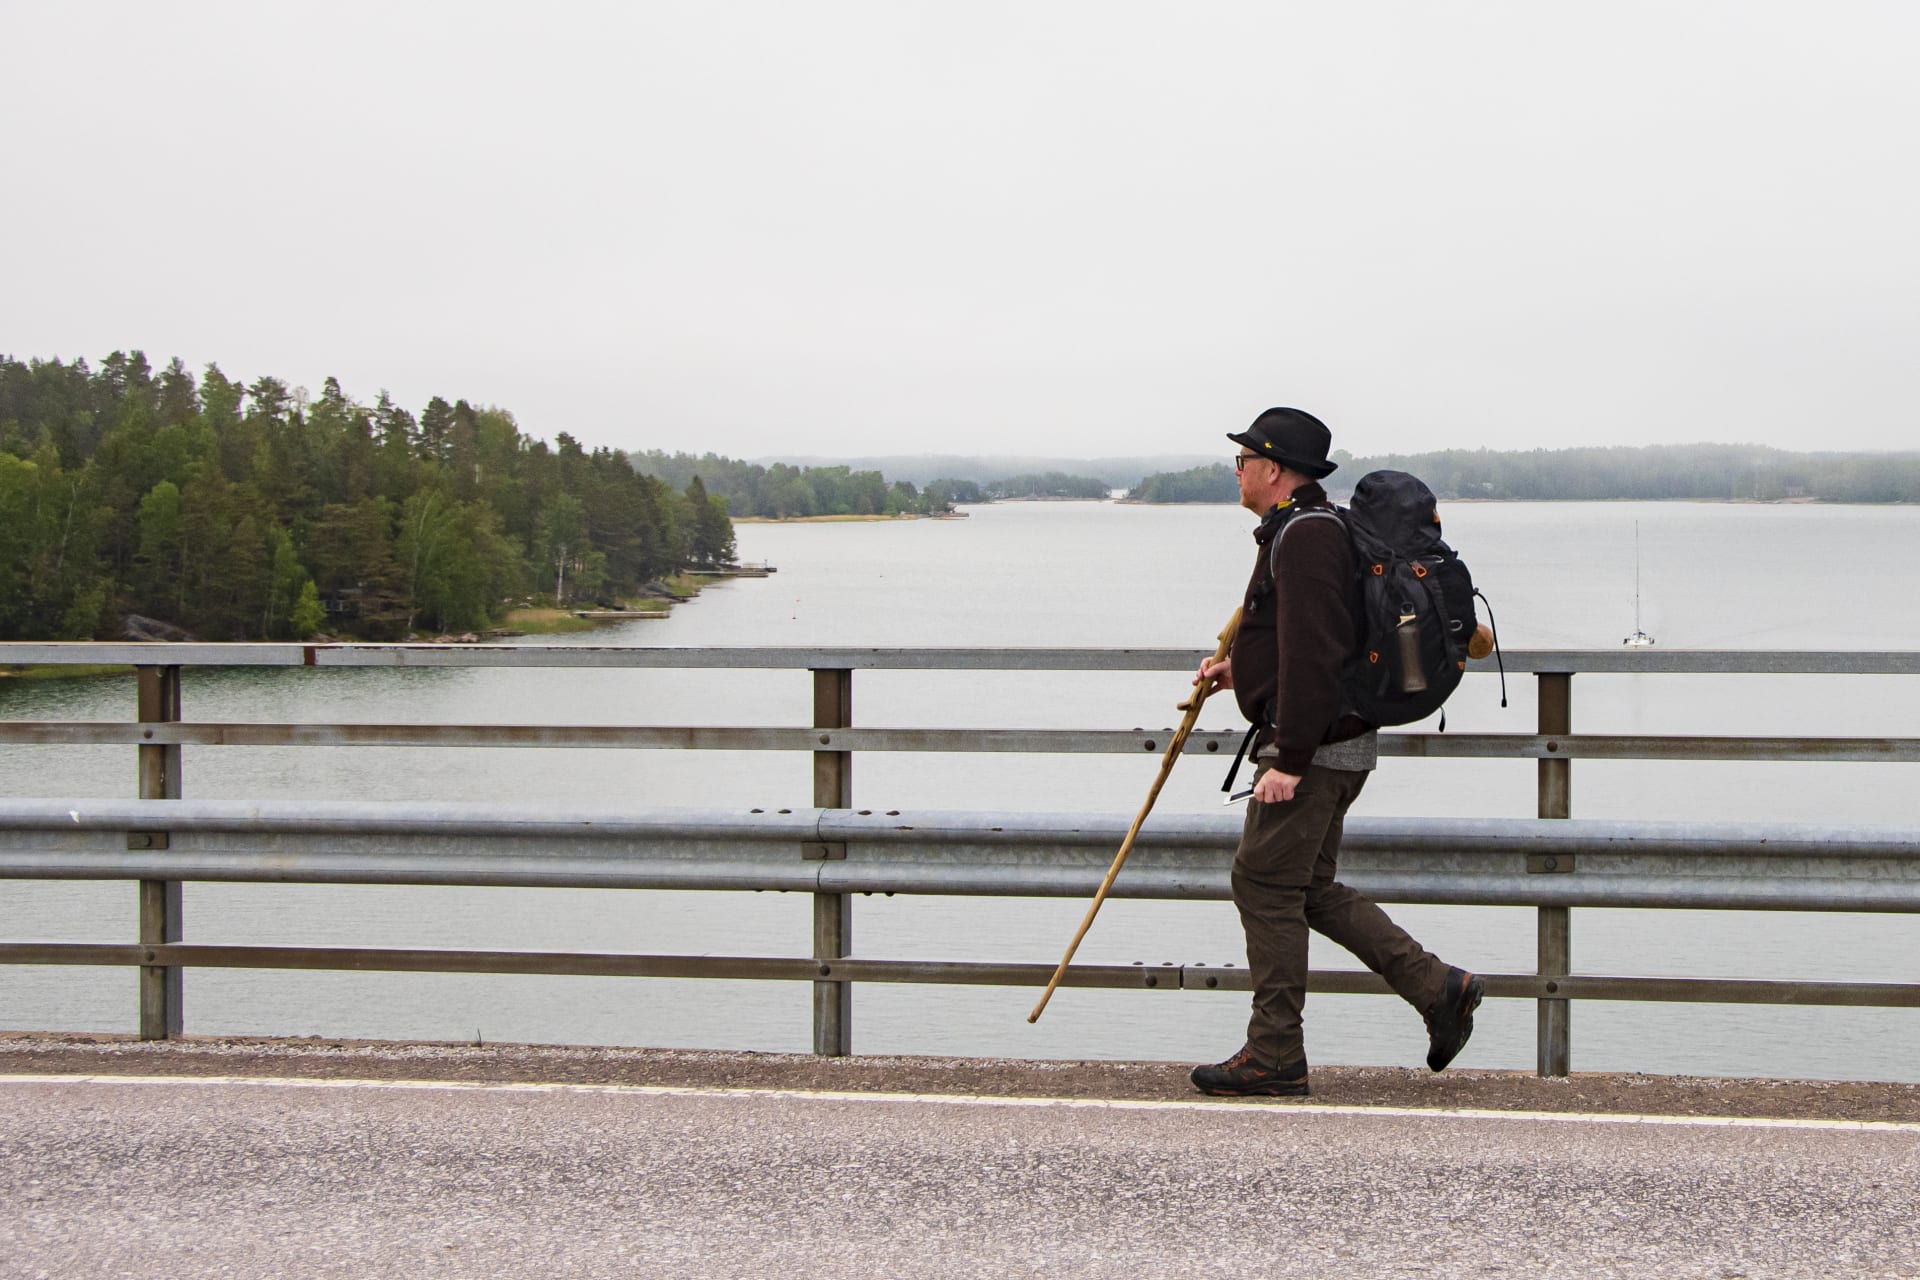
{"points": [[1555, 1033], [832, 912], [161, 988]]}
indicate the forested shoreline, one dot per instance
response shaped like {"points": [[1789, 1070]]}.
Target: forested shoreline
{"points": [[1696, 472], [785, 491], [236, 511], [136, 501]]}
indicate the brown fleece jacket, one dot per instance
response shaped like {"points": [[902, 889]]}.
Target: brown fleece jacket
{"points": [[1296, 632]]}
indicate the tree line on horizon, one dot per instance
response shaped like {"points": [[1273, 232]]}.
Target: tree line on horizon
{"points": [[1697, 472], [1046, 484], [252, 511], [783, 491]]}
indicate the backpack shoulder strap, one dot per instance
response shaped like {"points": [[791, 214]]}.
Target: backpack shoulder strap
{"points": [[1307, 513]]}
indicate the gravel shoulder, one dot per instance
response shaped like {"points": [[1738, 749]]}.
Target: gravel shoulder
{"points": [[24, 1053]]}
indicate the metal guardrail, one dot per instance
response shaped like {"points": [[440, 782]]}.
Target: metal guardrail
{"points": [[1553, 863], [1613, 661], [1457, 746], [1526, 862], [1471, 861]]}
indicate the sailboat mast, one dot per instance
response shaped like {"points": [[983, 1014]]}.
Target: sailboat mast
{"points": [[1636, 578], [1639, 638]]}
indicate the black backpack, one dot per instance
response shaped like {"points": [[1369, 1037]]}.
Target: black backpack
{"points": [[1416, 611]]}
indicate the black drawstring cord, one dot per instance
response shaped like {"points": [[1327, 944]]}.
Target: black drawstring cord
{"points": [[1238, 756], [1497, 655]]}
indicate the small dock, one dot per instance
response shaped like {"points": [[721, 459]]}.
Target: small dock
{"points": [[760, 570], [619, 615]]}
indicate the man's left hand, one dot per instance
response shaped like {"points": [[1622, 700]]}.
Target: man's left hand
{"points": [[1275, 787]]}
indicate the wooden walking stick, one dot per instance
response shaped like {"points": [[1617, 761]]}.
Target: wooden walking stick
{"points": [[1174, 746]]}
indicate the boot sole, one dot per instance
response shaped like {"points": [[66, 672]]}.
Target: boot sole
{"points": [[1288, 1090], [1259, 1093]]}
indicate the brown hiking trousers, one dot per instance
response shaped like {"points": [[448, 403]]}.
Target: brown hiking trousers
{"points": [[1283, 885]]}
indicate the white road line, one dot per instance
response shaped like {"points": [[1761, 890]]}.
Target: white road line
{"points": [[1213, 1106]]}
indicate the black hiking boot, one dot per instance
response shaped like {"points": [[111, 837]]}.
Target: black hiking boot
{"points": [[1450, 1020], [1241, 1077]]}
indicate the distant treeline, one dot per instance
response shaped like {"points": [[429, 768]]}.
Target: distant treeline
{"points": [[924, 468], [1650, 473], [781, 492], [1051, 484], [1215, 483], [251, 511]]}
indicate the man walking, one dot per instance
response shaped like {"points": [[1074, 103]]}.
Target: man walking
{"points": [[1297, 630]]}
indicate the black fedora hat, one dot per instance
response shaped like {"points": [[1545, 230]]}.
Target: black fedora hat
{"points": [[1293, 438]]}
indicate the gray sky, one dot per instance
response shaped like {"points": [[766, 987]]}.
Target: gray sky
{"points": [[1077, 229]]}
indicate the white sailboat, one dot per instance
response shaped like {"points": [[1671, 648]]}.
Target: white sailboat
{"points": [[1639, 639]]}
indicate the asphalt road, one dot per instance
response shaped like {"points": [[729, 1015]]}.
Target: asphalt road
{"points": [[110, 1177]]}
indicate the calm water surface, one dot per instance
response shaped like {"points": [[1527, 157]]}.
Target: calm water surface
{"points": [[1560, 575]]}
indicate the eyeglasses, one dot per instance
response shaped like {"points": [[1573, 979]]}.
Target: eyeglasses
{"points": [[1240, 461]]}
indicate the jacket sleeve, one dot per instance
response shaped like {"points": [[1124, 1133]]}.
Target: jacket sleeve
{"points": [[1313, 567]]}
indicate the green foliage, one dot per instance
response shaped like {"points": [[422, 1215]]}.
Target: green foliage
{"points": [[1051, 484], [563, 542], [160, 553], [781, 491], [50, 526], [308, 616], [710, 536], [943, 495], [249, 510], [457, 563], [1216, 483], [288, 584], [1702, 472]]}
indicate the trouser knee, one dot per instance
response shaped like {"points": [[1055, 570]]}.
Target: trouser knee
{"points": [[1269, 889], [1329, 898]]}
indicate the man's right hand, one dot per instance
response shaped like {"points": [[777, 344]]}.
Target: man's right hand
{"points": [[1221, 673]]}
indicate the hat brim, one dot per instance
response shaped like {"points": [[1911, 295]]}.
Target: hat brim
{"points": [[1262, 449]]}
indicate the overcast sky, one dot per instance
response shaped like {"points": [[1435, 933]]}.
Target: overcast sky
{"points": [[1075, 229]]}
